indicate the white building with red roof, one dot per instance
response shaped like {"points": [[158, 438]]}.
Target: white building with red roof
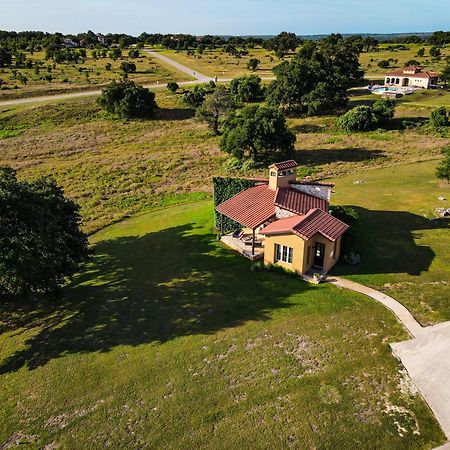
{"points": [[285, 222], [411, 76]]}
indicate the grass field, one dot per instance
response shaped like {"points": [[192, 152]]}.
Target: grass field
{"points": [[404, 248], [115, 169], [87, 75], [167, 340]]}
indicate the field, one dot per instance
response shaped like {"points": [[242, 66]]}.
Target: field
{"points": [[167, 340], [88, 75], [403, 247]]}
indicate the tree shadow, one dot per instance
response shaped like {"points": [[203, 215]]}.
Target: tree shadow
{"points": [[173, 114], [328, 155], [385, 241], [308, 128], [153, 288]]}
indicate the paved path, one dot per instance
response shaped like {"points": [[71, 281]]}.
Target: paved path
{"points": [[403, 315], [181, 67], [426, 357]]}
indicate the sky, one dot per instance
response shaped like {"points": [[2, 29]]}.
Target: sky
{"points": [[225, 17]]}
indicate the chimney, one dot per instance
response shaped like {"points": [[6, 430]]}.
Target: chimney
{"points": [[282, 174]]}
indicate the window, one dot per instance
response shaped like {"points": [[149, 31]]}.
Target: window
{"points": [[283, 253]]}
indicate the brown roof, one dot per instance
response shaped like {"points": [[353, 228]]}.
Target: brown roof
{"points": [[251, 207], [298, 202], [285, 165], [316, 221], [401, 73], [312, 183]]}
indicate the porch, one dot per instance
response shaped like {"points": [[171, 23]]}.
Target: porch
{"points": [[243, 245]]}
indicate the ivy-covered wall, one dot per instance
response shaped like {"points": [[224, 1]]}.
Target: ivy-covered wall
{"points": [[225, 188]]}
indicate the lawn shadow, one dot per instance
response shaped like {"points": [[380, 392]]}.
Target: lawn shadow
{"points": [[154, 288], [386, 242], [330, 155]]}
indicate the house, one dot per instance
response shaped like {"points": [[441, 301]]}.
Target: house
{"points": [[411, 76], [285, 221], [69, 43], [100, 38]]}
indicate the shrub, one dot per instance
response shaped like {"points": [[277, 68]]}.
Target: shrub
{"points": [[253, 64], [128, 67], [195, 97], [384, 64], [443, 169], [383, 110], [412, 62], [173, 87], [439, 117], [360, 118], [127, 100]]}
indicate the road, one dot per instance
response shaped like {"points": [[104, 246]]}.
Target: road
{"points": [[199, 78]]}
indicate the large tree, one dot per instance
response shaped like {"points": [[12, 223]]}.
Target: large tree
{"points": [[317, 78], [259, 134], [215, 107], [246, 89], [128, 100], [41, 243]]}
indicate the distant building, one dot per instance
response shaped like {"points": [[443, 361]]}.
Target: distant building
{"points": [[411, 76], [101, 38], [69, 43]]}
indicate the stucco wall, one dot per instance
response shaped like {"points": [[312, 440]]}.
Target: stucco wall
{"points": [[323, 192], [418, 82], [290, 240], [331, 256]]}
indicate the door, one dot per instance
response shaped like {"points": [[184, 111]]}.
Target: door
{"points": [[319, 255]]}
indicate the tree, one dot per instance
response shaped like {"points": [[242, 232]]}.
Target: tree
{"points": [[412, 62], [445, 74], [435, 52], [128, 67], [284, 42], [115, 53], [41, 243], [128, 100], [215, 107], [258, 133], [383, 110], [421, 52], [443, 168], [317, 78], [439, 117], [383, 64], [195, 97], [173, 87], [246, 89], [253, 64], [134, 53], [5, 57], [359, 118]]}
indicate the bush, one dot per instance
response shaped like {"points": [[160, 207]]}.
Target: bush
{"points": [[443, 169], [384, 64], [173, 87], [360, 118], [439, 117], [128, 67], [383, 110], [128, 100], [253, 64]]}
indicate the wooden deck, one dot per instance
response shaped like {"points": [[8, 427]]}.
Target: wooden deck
{"points": [[245, 250]]}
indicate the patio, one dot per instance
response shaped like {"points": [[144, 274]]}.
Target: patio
{"points": [[244, 248]]}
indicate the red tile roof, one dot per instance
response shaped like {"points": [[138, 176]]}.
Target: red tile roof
{"points": [[316, 221], [312, 183], [298, 202], [285, 165], [401, 73], [251, 207]]}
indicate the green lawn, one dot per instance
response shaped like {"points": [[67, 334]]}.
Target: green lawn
{"points": [[404, 248], [168, 340]]}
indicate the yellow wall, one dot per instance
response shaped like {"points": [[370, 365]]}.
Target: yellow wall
{"points": [[301, 248]]}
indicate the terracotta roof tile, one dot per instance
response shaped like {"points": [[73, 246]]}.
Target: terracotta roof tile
{"points": [[251, 207], [318, 221], [285, 165], [298, 202]]}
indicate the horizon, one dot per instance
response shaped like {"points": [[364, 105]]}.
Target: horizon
{"points": [[200, 17]]}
